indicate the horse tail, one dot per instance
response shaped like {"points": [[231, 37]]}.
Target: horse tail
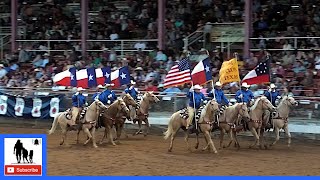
{"points": [[169, 131], [54, 124]]}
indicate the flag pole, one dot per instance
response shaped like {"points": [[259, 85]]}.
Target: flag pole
{"points": [[194, 106], [236, 56]]}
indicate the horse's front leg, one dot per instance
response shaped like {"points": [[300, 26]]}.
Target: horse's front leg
{"points": [[263, 139], [77, 139], [236, 139], [255, 134], [140, 127], [64, 136], [207, 144], [230, 134], [212, 147], [104, 135], [197, 141], [276, 131], [286, 129], [222, 131], [110, 134]]}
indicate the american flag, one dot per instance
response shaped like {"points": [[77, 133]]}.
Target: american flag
{"points": [[179, 74]]}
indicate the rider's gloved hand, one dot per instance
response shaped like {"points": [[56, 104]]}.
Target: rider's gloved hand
{"points": [[110, 96], [240, 96], [86, 104], [77, 93], [108, 102], [279, 97], [230, 104], [205, 101]]}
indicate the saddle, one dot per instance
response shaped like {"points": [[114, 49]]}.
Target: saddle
{"points": [[184, 114], [80, 115]]}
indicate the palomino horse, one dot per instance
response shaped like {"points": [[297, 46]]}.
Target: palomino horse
{"points": [[256, 116], [143, 111], [87, 125], [122, 116], [205, 124], [109, 116], [227, 120], [280, 120]]}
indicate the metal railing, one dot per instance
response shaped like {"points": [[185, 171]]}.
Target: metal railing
{"points": [[122, 46], [294, 41]]}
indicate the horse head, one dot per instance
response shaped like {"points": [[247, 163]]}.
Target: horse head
{"points": [[151, 97], [129, 100], [266, 104], [290, 101], [243, 111], [213, 105], [122, 106], [99, 105]]}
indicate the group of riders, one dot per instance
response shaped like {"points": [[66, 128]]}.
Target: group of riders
{"points": [[107, 96]]}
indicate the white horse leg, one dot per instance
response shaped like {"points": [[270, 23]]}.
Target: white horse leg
{"points": [[230, 134], [93, 131], [263, 139], [186, 139], [236, 140], [286, 129], [140, 128], [104, 135], [147, 127], [110, 135], [222, 131], [255, 134], [212, 147], [207, 144], [173, 135], [77, 139], [197, 142], [86, 130], [276, 131], [64, 136]]}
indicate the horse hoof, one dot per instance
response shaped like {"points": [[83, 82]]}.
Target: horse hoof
{"points": [[169, 150], [224, 146], [266, 147], [95, 146], [145, 135], [196, 147]]}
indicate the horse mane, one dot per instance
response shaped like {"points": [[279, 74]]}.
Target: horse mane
{"points": [[204, 110], [256, 103]]}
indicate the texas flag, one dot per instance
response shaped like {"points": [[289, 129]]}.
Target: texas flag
{"points": [[85, 78], [120, 77], [260, 74], [201, 72]]}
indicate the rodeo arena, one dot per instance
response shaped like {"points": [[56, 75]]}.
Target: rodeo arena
{"points": [[164, 87]]}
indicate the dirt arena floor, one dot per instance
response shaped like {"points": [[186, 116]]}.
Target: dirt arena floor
{"points": [[148, 156]]}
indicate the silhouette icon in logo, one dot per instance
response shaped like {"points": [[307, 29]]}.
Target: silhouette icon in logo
{"points": [[31, 156], [20, 150], [17, 150]]}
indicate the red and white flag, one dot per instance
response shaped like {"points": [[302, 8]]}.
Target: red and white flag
{"points": [[201, 73], [260, 74]]}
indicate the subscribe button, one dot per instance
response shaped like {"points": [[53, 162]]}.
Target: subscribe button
{"points": [[23, 170]]}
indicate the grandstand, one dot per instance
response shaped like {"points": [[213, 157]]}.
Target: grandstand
{"points": [[49, 38]]}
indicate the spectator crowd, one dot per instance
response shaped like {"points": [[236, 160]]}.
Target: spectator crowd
{"points": [[295, 69]]}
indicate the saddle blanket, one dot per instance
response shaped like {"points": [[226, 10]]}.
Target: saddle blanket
{"points": [[82, 113], [184, 113]]}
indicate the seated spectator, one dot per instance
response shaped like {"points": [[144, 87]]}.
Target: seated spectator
{"points": [[3, 72]]}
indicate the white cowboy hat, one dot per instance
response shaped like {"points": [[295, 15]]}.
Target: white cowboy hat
{"points": [[45, 54], [107, 85], [100, 86], [272, 86], [80, 89], [203, 49], [245, 85], [218, 83], [197, 87], [132, 82], [139, 69], [1, 65]]}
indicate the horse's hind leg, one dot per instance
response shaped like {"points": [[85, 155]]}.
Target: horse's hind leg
{"points": [[173, 135], [147, 127], [186, 139], [86, 130], [93, 132], [109, 129], [286, 129], [63, 137], [77, 140]]}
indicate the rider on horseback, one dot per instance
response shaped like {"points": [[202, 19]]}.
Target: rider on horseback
{"points": [[198, 97], [107, 96], [99, 90], [134, 94], [272, 95], [219, 95], [78, 101], [244, 94]]}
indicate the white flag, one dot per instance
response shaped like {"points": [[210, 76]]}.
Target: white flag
{"points": [[3, 104], [54, 106], [36, 110], [19, 107]]}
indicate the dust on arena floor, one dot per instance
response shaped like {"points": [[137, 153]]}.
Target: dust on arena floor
{"points": [[140, 155]]}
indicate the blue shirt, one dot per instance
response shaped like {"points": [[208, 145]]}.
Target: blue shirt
{"points": [[103, 97], [219, 96], [78, 100], [247, 96], [133, 92], [198, 97], [95, 95], [272, 96]]}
